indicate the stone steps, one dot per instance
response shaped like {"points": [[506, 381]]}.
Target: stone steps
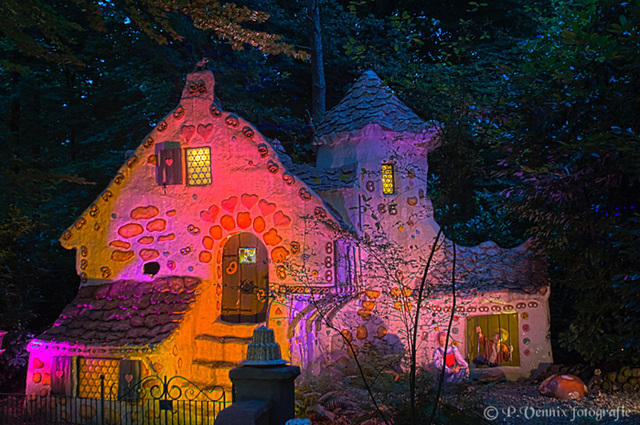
{"points": [[220, 350], [223, 348]]}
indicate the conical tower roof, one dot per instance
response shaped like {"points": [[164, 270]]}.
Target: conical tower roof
{"points": [[368, 101]]}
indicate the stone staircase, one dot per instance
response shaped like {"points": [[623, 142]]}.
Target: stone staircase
{"points": [[219, 351]]}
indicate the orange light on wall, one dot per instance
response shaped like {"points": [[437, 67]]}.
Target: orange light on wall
{"points": [[199, 166], [387, 179]]}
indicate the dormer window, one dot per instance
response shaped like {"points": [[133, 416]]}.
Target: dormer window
{"points": [[169, 170], [198, 166], [388, 179]]}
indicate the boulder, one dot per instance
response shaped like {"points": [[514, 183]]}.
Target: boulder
{"points": [[564, 387], [487, 375]]}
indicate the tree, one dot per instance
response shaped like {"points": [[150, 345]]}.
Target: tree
{"points": [[571, 141], [318, 84], [82, 83]]}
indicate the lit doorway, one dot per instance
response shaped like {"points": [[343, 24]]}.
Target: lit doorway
{"points": [[245, 279]]}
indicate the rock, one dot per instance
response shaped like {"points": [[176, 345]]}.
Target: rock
{"points": [[564, 387], [489, 375]]}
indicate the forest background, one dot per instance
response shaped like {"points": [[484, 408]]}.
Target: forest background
{"points": [[537, 102]]}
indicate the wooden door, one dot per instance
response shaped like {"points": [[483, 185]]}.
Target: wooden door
{"points": [[245, 279]]}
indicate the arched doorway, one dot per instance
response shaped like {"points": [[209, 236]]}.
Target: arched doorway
{"points": [[245, 279]]}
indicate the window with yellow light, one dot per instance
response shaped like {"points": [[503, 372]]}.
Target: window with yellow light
{"points": [[388, 179], [199, 166], [89, 371], [504, 327]]}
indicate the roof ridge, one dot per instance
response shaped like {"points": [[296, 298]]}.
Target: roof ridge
{"points": [[369, 101]]}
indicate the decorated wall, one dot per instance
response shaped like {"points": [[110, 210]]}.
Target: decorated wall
{"points": [[497, 288], [209, 229], [205, 196]]}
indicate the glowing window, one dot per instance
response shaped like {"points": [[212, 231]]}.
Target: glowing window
{"points": [[387, 179], [89, 377], [247, 255], [199, 166], [503, 324]]}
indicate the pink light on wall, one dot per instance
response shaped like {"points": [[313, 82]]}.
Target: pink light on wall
{"points": [[2, 334]]}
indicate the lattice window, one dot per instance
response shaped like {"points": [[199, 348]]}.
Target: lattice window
{"points": [[89, 371], [387, 179], [199, 166]]}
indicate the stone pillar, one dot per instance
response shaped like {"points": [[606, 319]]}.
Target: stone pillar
{"points": [[273, 385], [263, 387]]}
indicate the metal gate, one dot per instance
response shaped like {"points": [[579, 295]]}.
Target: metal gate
{"points": [[152, 401]]}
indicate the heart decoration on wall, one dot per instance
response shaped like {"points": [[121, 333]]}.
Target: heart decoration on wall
{"points": [[210, 214], [280, 219], [230, 204], [266, 208], [187, 131], [205, 130], [249, 201]]}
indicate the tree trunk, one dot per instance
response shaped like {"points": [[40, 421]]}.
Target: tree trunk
{"points": [[14, 121], [414, 336], [319, 87]]}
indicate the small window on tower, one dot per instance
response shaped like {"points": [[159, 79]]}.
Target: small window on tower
{"points": [[199, 166], [387, 179]]}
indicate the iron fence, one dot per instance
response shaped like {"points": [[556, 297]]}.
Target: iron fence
{"points": [[152, 401]]}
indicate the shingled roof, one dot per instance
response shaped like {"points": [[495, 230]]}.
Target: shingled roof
{"points": [[124, 314], [321, 179], [326, 178], [488, 267], [318, 179], [369, 102]]}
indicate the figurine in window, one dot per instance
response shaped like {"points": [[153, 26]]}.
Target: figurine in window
{"points": [[456, 369], [495, 352]]}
